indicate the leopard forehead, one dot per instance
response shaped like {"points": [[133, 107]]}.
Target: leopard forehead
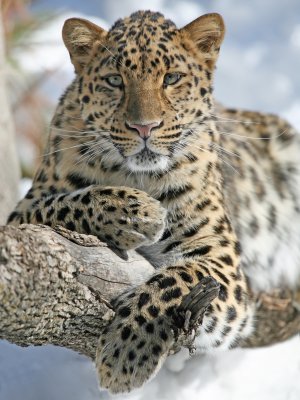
{"points": [[147, 19], [143, 38]]}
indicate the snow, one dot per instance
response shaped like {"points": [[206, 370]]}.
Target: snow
{"points": [[258, 69], [51, 373]]}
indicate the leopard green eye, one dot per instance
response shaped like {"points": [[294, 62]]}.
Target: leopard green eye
{"points": [[172, 78], [114, 80]]}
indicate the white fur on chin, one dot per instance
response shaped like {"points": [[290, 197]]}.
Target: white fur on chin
{"points": [[136, 165]]}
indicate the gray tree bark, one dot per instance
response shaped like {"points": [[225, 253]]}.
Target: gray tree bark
{"points": [[54, 290], [56, 287]]}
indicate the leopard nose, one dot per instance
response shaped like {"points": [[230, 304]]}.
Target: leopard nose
{"points": [[144, 130]]}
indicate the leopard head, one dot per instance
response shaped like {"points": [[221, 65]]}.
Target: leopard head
{"points": [[144, 84]]}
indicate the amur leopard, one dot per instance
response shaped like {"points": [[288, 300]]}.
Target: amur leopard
{"points": [[141, 156]]}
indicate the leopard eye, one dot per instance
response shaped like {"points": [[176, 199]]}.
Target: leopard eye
{"points": [[114, 80], [172, 78]]}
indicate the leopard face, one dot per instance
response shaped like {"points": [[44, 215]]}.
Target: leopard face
{"points": [[142, 86]]}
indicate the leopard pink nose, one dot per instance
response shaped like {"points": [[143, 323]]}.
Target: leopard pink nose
{"points": [[144, 130]]}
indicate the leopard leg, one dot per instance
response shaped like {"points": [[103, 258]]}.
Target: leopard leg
{"points": [[134, 345], [125, 218]]}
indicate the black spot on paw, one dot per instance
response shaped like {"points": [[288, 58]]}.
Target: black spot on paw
{"points": [[110, 208], [200, 276], [238, 294], [126, 331], [155, 278], [153, 311], [140, 320], [163, 335], [156, 350], [143, 300], [167, 282], [223, 293], [124, 312], [231, 314], [38, 216], [141, 344], [221, 275], [186, 277], [211, 325], [85, 226], [226, 330], [201, 251], [70, 225], [149, 327], [226, 259], [86, 99], [86, 199], [171, 294], [131, 355], [116, 353], [62, 213], [78, 213]]}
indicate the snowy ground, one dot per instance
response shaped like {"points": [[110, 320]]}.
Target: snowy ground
{"points": [[50, 373], [258, 69]]}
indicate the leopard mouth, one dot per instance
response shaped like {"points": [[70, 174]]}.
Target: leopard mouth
{"points": [[146, 156], [147, 160], [147, 153]]}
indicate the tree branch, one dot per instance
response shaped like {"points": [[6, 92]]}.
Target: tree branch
{"points": [[53, 290], [56, 287]]}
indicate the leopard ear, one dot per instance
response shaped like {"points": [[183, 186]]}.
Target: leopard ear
{"points": [[79, 36], [207, 32]]}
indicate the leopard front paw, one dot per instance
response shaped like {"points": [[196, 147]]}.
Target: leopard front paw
{"points": [[130, 218], [133, 347], [148, 321]]}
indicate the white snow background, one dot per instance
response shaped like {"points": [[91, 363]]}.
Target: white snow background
{"points": [[258, 69]]}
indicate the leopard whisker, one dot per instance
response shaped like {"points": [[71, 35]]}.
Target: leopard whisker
{"points": [[230, 120], [91, 151], [241, 137], [76, 136], [96, 149], [224, 161], [219, 148], [79, 131], [65, 148], [218, 154]]}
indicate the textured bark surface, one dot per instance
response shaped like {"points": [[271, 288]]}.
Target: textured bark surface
{"points": [[9, 166], [56, 287], [52, 290]]}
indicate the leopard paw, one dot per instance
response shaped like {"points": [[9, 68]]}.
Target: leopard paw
{"points": [[130, 218], [147, 322], [132, 349]]}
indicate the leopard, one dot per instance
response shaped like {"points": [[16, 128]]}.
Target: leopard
{"points": [[142, 156]]}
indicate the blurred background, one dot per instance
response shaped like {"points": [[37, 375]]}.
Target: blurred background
{"points": [[258, 69]]}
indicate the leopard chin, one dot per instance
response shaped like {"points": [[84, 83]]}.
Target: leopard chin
{"points": [[147, 161]]}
